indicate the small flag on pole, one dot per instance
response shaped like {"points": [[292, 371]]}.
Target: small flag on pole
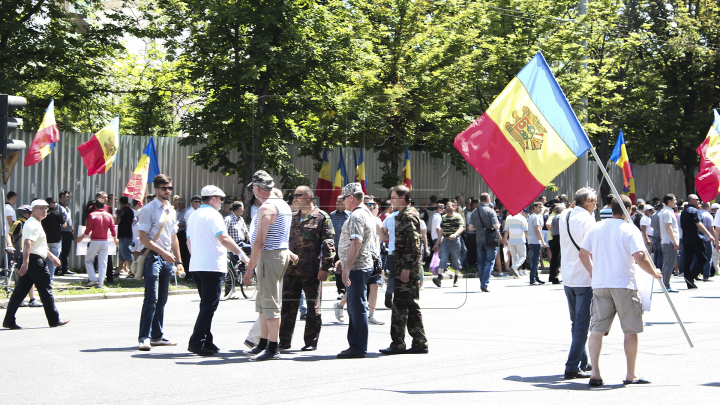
{"points": [[341, 179], [620, 157], [360, 172], [100, 151], [707, 181], [407, 173], [44, 141], [528, 136], [145, 171], [323, 190]]}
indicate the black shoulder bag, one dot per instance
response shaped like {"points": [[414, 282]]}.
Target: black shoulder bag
{"points": [[492, 236], [568, 231]]}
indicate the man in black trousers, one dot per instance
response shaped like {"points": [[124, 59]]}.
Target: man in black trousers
{"points": [[34, 270], [66, 232]]}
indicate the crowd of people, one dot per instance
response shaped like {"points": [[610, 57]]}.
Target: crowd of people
{"points": [[292, 246]]}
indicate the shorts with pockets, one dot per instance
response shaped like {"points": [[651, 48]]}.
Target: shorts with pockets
{"points": [[606, 302]]}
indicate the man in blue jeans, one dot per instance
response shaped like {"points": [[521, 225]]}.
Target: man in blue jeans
{"points": [[482, 219], [356, 264], [449, 242], [535, 241], [574, 224], [158, 216]]}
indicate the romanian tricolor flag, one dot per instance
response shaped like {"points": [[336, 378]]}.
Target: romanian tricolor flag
{"points": [[44, 141], [145, 171], [528, 136], [341, 179], [620, 157], [406, 172], [707, 181], [324, 185], [360, 172], [100, 151]]}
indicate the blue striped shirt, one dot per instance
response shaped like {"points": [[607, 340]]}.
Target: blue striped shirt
{"points": [[278, 234]]}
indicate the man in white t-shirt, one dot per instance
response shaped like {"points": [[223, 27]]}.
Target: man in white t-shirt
{"points": [[435, 223], [646, 226], [10, 216], [669, 239], [516, 229], [573, 224], [208, 238], [616, 246]]}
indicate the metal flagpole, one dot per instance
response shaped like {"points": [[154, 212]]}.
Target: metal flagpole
{"points": [[627, 215]]}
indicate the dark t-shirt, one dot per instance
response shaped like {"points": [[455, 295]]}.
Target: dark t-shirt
{"points": [[690, 216], [126, 216], [51, 225]]}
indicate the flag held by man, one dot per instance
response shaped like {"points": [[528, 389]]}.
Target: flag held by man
{"points": [[407, 173], [528, 136], [620, 157], [707, 181], [100, 151], [144, 173], [44, 141]]}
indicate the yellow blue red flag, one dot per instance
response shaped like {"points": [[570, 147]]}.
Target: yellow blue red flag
{"points": [[44, 141], [620, 157], [707, 181]]}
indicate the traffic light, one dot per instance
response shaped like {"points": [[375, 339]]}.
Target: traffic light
{"points": [[8, 124]]}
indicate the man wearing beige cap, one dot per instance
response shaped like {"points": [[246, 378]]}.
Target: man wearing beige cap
{"points": [[208, 238], [356, 264], [269, 236], [34, 270]]}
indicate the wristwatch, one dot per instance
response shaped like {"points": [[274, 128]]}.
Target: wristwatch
{"points": [[176, 263]]}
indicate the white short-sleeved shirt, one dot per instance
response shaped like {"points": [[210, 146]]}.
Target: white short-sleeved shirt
{"points": [[516, 226], [9, 212], [612, 243], [645, 220], [581, 222], [389, 224], [151, 219], [33, 230], [533, 221], [203, 229], [667, 216], [436, 221]]}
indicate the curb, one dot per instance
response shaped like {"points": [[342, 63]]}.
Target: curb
{"points": [[88, 297]]}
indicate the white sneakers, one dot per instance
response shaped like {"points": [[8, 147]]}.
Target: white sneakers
{"points": [[144, 345], [374, 321], [338, 311]]}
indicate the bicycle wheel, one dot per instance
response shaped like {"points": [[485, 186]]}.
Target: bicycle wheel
{"points": [[228, 286], [248, 291]]}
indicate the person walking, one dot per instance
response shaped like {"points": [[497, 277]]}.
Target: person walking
{"points": [[356, 264], [157, 226], [448, 242], [269, 258], [208, 237], [405, 309], [616, 246], [694, 248], [312, 239], [34, 271], [573, 224], [535, 241], [516, 229], [484, 219], [669, 233], [99, 222]]}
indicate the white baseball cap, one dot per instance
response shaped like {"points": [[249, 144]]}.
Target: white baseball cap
{"points": [[715, 206], [211, 191], [38, 203]]}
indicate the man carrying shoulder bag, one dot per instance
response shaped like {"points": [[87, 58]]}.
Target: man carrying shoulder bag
{"points": [[483, 219]]}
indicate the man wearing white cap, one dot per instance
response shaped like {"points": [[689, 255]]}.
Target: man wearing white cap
{"points": [[208, 238], [34, 270]]}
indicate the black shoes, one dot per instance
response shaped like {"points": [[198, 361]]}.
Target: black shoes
{"points": [[60, 323], [303, 317], [348, 354], [11, 326], [211, 346], [595, 383], [309, 348], [249, 344], [266, 355], [284, 346], [417, 350], [571, 375], [436, 281], [484, 289], [201, 351], [255, 350], [540, 282], [392, 350]]}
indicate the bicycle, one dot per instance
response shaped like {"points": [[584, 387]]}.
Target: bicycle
{"points": [[233, 277], [8, 276]]}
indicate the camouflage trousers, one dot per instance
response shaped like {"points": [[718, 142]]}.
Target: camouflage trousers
{"points": [[406, 314], [292, 287]]}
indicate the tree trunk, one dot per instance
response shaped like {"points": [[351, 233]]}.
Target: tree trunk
{"points": [[689, 177]]}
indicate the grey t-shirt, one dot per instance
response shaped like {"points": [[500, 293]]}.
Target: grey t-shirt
{"points": [[533, 221], [360, 226], [655, 223], [489, 218]]}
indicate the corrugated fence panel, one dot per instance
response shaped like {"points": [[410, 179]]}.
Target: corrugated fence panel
{"points": [[64, 170]]}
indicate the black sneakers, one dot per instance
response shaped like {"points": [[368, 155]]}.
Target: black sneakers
{"points": [[265, 355]]}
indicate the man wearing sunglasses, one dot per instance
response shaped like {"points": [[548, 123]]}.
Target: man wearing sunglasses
{"points": [[158, 269], [312, 239]]}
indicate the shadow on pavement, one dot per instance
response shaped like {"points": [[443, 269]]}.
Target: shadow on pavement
{"points": [[429, 391], [711, 385], [110, 349], [704, 297], [558, 382]]}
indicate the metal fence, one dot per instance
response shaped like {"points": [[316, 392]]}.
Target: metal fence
{"points": [[63, 169]]}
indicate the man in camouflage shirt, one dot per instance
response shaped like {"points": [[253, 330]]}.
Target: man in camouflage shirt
{"points": [[312, 239], [405, 308]]}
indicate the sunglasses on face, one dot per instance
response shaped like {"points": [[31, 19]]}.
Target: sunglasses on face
{"points": [[166, 188], [196, 201], [371, 205], [297, 195]]}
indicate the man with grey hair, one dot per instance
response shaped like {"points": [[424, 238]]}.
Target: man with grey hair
{"points": [[356, 264], [573, 224]]}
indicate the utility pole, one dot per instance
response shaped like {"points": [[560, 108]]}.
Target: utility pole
{"points": [[581, 165]]}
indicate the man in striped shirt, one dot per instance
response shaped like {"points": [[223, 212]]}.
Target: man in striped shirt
{"points": [[516, 228]]}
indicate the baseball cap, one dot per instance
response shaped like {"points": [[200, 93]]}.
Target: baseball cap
{"points": [[649, 207], [350, 189], [196, 197], [181, 201], [715, 206], [640, 200], [527, 211], [24, 208], [262, 179], [211, 191], [38, 203]]}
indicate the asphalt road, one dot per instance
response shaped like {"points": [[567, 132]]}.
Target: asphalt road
{"points": [[507, 345]]}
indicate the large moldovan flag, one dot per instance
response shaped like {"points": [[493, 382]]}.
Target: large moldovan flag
{"points": [[145, 171], [324, 185], [620, 157], [528, 136], [100, 151], [707, 181], [341, 179], [44, 141]]}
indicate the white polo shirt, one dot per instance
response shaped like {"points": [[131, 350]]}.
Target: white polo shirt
{"points": [[203, 228], [33, 231], [581, 222]]}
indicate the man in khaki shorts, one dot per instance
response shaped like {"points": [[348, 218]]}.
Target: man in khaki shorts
{"points": [[615, 245]]}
